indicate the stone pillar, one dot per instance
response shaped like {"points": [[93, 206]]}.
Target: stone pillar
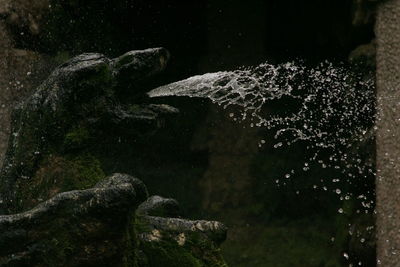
{"points": [[388, 134]]}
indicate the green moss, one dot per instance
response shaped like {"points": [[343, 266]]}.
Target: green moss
{"points": [[131, 255], [59, 174], [197, 250], [86, 172], [76, 138], [206, 250], [169, 254], [140, 225]]}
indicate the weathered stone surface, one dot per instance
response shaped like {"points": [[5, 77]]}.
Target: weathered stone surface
{"points": [[90, 220], [147, 116], [162, 239], [21, 70], [77, 228], [178, 242], [77, 98], [214, 231], [159, 206], [388, 147], [139, 65], [97, 227], [119, 178]]}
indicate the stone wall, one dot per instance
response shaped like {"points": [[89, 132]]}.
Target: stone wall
{"points": [[20, 70], [388, 146]]}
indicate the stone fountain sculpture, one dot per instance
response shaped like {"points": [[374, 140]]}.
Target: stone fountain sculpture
{"points": [[61, 208]]}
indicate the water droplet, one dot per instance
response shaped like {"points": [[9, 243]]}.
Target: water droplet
{"points": [[278, 145], [331, 94]]}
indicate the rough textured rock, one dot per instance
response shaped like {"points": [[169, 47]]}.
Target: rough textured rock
{"points": [[159, 206], [388, 147], [76, 228], [97, 227], [215, 231], [174, 241], [118, 178], [87, 219], [178, 242], [21, 70], [77, 101]]}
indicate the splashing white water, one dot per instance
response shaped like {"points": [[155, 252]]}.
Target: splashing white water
{"points": [[329, 108]]}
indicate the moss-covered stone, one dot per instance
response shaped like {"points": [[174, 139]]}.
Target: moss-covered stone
{"points": [[169, 254], [176, 242], [58, 174], [55, 125], [76, 228], [62, 137], [76, 138], [98, 227]]}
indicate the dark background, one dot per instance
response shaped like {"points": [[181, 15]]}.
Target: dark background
{"points": [[203, 36]]}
